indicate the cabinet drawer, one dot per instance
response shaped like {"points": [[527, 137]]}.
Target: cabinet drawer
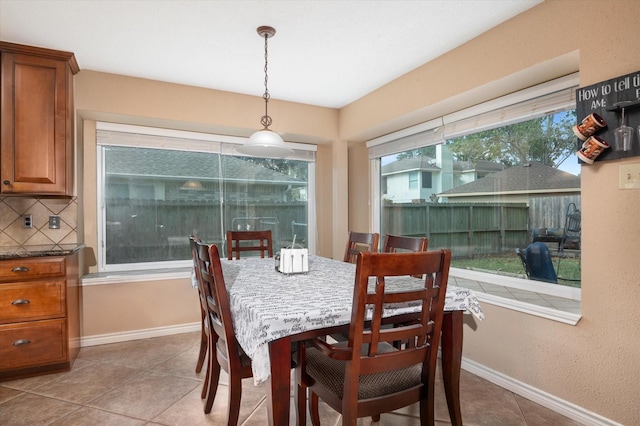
{"points": [[32, 301], [35, 343], [31, 268]]}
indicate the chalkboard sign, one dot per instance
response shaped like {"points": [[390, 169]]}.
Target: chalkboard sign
{"points": [[607, 99]]}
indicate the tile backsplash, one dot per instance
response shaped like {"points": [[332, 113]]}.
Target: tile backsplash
{"points": [[12, 233]]}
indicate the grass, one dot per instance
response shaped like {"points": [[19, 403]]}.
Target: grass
{"points": [[509, 264]]}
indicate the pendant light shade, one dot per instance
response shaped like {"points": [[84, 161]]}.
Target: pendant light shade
{"points": [[265, 142]]}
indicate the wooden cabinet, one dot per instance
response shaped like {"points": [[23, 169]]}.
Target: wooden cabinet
{"points": [[39, 315], [36, 123]]}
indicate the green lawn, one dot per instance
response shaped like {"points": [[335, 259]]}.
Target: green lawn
{"points": [[509, 264]]}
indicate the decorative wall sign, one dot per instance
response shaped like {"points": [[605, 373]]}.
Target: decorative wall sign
{"points": [[607, 99]]}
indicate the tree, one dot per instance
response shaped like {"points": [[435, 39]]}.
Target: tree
{"points": [[293, 168], [548, 139]]}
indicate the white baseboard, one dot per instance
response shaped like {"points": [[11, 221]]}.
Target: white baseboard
{"points": [[538, 396], [103, 339]]}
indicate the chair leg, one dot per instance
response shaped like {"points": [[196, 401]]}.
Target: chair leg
{"points": [[313, 409], [427, 408], [210, 387], [203, 346], [235, 395]]}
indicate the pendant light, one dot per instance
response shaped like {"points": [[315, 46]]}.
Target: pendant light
{"points": [[265, 142]]}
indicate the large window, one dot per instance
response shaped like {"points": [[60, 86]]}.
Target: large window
{"points": [[156, 190], [502, 176]]}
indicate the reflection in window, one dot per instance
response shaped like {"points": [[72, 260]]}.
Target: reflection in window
{"points": [[155, 198], [486, 194]]}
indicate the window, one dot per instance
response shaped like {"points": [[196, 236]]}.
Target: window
{"points": [[413, 180], [426, 180], [156, 190], [501, 176]]}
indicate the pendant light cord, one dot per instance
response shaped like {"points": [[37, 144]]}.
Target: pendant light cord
{"points": [[266, 120]]}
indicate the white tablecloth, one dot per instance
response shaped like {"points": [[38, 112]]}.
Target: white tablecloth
{"points": [[267, 305]]}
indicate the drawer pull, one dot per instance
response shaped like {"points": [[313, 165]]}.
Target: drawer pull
{"points": [[21, 302], [20, 269], [21, 342]]}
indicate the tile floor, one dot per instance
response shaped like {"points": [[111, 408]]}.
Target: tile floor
{"points": [[152, 382]]}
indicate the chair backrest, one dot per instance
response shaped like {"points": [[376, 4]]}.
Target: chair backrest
{"points": [[257, 241], [203, 291], [572, 223], [538, 260], [398, 244], [218, 307], [523, 259], [360, 242], [422, 335]]}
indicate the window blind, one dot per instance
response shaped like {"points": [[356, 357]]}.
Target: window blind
{"points": [[528, 104], [150, 137]]}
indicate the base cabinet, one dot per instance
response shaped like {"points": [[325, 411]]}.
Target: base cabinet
{"points": [[39, 315]]}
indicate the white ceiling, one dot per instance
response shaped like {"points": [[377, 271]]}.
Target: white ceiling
{"points": [[326, 53]]}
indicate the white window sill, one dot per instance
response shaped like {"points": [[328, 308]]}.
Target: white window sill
{"points": [[119, 277], [551, 301]]}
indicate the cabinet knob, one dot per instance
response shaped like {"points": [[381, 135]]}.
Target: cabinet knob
{"points": [[21, 342], [21, 302], [20, 269], [6, 182]]}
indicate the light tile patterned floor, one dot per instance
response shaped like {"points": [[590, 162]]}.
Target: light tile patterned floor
{"points": [[152, 382]]}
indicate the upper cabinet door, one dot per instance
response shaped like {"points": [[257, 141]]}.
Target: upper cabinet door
{"points": [[37, 125]]}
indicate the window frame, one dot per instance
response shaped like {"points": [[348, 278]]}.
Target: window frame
{"points": [[170, 139], [458, 124]]}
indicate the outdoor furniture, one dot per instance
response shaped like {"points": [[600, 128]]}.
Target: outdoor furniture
{"points": [[537, 264], [368, 376], [572, 228]]}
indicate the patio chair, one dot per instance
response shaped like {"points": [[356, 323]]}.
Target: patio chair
{"points": [[537, 264]]}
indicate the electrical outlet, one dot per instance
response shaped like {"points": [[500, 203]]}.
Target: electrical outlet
{"points": [[54, 222], [27, 221]]}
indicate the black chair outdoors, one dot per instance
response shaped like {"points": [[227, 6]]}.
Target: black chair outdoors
{"points": [[537, 263]]}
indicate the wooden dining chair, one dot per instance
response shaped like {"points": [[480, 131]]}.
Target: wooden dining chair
{"points": [[397, 243], [223, 347], [367, 375], [204, 324], [241, 241], [358, 242]]}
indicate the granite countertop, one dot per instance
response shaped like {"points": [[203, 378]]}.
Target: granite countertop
{"points": [[12, 252]]}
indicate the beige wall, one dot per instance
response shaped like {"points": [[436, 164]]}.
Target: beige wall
{"points": [[596, 363], [125, 307]]}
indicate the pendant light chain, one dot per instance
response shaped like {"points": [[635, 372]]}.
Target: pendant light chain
{"points": [[266, 120]]}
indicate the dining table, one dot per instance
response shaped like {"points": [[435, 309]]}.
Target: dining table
{"points": [[271, 311]]}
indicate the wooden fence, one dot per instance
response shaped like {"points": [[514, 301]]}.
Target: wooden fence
{"points": [[154, 230], [467, 229]]}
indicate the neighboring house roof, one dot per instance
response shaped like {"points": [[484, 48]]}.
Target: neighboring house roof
{"points": [[410, 164], [478, 166], [528, 177], [149, 162]]}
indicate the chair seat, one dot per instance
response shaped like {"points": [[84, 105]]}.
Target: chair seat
{"points": [[330, 373]]}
